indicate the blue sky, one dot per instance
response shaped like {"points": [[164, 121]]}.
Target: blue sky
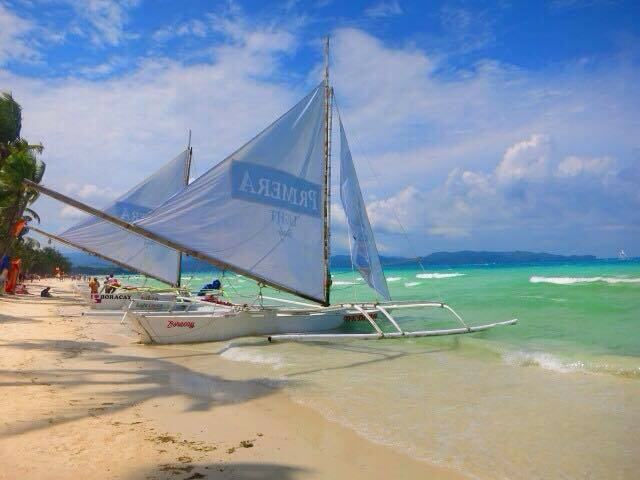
{"points": [[481, 125]]}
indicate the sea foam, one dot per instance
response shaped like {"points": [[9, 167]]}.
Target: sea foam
{"points": [[238, 354], [576, 280], [547, 361], [437, 275]]}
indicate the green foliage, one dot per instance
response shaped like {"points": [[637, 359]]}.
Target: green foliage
{"points": [[18, 161], [40, 260], [10, 119]]}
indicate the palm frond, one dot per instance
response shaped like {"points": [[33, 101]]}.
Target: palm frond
{"points": [[33, 214]]}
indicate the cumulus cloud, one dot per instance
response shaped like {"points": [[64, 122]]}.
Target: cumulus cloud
{"points": [[14, 31], [465, 158], [384, 9], [573, 166], [525, 160], [194, 27], [69, 213], [116, 131], [531, 195], [105, 19]]}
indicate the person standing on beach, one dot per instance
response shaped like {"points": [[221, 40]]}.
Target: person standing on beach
{"points": [[94, 285], [4, 272]]}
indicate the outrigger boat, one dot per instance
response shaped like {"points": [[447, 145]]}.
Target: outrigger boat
{"points": [[130, 251], [264, 212]]}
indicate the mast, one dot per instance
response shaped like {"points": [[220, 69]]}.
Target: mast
{"points": [[327, 171], [64, 241], [187, 173]]}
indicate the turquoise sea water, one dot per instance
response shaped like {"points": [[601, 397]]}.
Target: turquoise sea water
{"points": [[556, 396], [568, 314]]}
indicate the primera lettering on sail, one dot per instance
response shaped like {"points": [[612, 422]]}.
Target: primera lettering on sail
{"points": [[178, 323], [260, 184]]}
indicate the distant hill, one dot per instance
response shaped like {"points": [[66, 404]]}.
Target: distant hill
{"points": [[469, 257], [84, 263], [500, 258]]}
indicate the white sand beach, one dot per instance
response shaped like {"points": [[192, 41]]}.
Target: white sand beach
{"points": [[79, 399]]}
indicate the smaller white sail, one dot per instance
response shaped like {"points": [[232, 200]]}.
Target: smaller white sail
{"points": [[141, 254], [364, 254]]}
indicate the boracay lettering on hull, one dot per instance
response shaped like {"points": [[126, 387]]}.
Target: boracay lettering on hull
{"points": [[260, 184], [115, 297]]}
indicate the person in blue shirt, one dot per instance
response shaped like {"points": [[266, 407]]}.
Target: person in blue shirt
{"points": [[214, 285]]}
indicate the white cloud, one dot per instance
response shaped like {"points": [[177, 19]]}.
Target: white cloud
{"points": [[194, 27], [526, 160], [69, 213], [114, 132], [573, 166], [104, 69], [454, 152], [384, 9], [14, 32], [529, 196], [102, 21]]}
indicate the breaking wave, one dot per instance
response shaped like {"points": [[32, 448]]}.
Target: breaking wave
{"points": [[575, 280], [436, 275], [393, 279], [551, 362], [411, 284], [245, 355]]}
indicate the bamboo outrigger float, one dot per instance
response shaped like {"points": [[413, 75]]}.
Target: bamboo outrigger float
{"points": [[263, 212]]}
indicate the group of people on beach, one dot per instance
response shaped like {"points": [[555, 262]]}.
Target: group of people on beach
{"points": [[110, 284]]}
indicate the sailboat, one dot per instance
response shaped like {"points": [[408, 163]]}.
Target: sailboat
{"points": [[264, 213], [128, 250]]}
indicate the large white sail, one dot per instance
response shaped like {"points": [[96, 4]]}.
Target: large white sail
{"points": [[261, 211], [364, 254], [141, 254]]}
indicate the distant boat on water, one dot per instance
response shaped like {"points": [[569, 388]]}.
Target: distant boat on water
{"points": [[622, 255]]}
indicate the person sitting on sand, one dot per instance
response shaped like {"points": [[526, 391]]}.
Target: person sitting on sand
{"points": [[45, 292]]}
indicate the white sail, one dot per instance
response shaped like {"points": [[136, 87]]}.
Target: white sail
{"points": [[261, 211], [141, 254], [364, 254]]}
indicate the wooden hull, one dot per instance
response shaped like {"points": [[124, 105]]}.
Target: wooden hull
{"points": [[165, 328]]}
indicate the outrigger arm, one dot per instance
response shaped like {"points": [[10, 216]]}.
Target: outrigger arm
{"points": [[366, 310]]}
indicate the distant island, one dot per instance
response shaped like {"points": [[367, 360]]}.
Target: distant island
{"points": [[84, 263], [468, 257]]}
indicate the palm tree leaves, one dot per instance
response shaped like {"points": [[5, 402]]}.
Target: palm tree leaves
{"points": [[18, 161], [29, 215], [10, 119]]}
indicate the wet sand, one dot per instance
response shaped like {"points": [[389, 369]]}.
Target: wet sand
{"points": [[80, 399]]}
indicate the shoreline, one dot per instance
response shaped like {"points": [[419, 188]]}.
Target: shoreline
{"points": [[81, 399]]}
